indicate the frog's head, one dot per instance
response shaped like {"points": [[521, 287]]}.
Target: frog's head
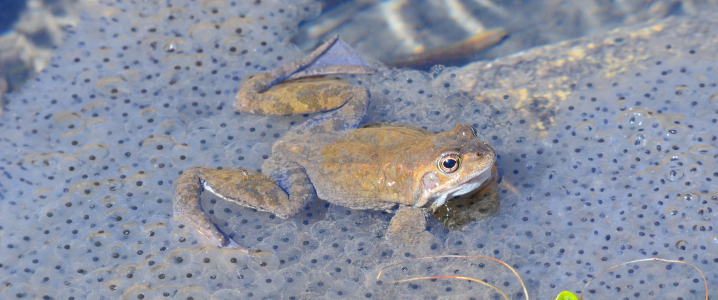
{"points": [[457, 164]]}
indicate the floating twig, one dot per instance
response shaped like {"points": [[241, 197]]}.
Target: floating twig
{"points": [[459, 277]]}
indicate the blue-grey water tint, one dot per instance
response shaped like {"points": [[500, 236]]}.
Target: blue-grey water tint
{"points": [[9, 12], [91, 146]]}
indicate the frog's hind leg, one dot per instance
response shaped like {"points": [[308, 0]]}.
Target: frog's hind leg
{"points": [[241, 186], [346, 117], [295, 88]]}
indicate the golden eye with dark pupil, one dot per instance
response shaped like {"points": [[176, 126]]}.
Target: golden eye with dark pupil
{"points": [[449, 163]]}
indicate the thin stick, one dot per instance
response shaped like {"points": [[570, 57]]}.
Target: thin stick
{"points": [[454, 277], [649, 259], [463, 256]]}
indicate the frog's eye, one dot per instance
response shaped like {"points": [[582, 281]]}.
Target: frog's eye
{"points": [[448, 163]]}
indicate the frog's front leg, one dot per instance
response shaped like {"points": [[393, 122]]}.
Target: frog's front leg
{"points": [[407, 229], [285, 194]]}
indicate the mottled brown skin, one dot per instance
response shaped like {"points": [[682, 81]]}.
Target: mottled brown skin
{"points": [[377, 166], [247, 187], [310, 95], [380, 167]]}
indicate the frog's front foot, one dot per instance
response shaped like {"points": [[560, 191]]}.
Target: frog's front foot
{"points": [[241, 186], [407, 229]]}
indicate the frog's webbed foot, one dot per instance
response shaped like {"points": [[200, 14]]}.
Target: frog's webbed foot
{"points": [[333, 57], [295, 88], [244, 187]]}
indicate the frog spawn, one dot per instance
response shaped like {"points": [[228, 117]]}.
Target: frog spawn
{"points": [[649, 198], [608, 174], [105, 225]]}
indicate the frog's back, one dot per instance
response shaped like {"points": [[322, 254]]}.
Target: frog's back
{"points": [[311, 150], [366, 169], [375, 136], [354, 168], [399, 127]]}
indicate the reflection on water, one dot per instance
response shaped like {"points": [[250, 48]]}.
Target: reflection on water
{"points": [[421, 34]]}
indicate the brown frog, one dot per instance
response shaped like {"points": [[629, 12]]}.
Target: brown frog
{"points": [[382, 166]]}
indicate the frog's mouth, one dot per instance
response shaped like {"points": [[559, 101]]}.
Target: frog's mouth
{"points": [[483, 179]]}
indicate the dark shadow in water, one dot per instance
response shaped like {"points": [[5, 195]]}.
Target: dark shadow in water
{"points": [[9, 13], [458, 212]]}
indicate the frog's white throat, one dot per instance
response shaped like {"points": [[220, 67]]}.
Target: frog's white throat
{"points": [[466, 187]]}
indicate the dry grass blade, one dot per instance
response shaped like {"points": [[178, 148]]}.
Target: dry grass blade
{"points": [[454, 277], [648, 259], [459, 277]]}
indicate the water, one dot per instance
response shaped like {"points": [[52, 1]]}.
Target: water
{"points": [[606, 144]]}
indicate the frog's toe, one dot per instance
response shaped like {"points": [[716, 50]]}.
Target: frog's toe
{"points": [[232, 245], [259, 253], [229, 243]]}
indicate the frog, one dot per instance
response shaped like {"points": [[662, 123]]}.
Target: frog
{"points": [[390, 166]]}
